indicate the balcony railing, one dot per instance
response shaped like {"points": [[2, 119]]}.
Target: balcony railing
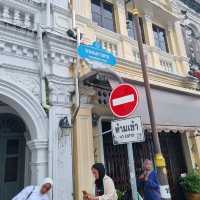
{"points": [[165, 61], [167, 65], [109, 46], [16, 16]]}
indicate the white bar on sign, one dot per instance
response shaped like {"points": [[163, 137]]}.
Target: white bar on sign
{"points": [[123, 100]]}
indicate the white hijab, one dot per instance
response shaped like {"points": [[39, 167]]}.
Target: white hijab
{"points": [[47, 180]]}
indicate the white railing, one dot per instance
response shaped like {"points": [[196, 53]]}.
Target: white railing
{"points": [[136, 56], [167, 65], [16, 16], [109, 46]]}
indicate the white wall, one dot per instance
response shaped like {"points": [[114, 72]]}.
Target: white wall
{"points": [[61, 3]]}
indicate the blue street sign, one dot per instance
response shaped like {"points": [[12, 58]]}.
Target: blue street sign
{"points": [[97, 53]]}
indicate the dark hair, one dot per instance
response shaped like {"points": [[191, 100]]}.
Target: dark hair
{"points": [[99, 182]]}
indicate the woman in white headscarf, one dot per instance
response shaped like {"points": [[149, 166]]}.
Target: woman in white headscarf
{"points": [[36, 192]]}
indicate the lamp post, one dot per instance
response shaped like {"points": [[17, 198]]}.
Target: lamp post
{"points": [[159, 159]]}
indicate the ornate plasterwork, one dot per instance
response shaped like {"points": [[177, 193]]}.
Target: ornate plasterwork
{"points": [[26, 52], [60, 90], [9, 48], [24, 79], [86, 94]]}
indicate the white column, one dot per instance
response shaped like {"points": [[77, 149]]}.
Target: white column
{"points": [[39, 160], [60, 147], [61, 155]]}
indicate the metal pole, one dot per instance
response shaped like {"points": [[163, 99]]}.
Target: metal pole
{"points": [[131, 164], [159, 159]]}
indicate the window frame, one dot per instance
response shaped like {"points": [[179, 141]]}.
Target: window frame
{"points": [[159, 29], [133, 25], [102, 23]]}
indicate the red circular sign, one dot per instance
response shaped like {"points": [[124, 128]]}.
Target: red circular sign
{"points": [[123, 100]]}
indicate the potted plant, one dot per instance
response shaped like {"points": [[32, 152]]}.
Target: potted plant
{"points": [[191, 185]]}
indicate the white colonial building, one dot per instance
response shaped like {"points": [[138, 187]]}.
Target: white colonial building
{"points": [[35, 94]]}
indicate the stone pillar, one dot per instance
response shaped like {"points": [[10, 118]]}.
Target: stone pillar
{"points": [[39, 161], [60, 147], [187, 148], [83, 8], [181, 49], [173, 47], [83, 152], [195, 138], [171, 39], [149, 36], [121, 17]]}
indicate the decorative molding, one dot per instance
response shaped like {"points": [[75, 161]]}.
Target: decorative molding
{"points": [[86, 94], [21, 51], [26, 80], [148, 17], [37, 144], [120, 3], [60, 90]]}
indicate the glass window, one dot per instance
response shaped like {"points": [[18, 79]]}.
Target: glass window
{"points": [[132, 29], [103, 14], [160, 38]]}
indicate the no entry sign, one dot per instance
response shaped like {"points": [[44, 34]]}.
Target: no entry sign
{"points": [[123, 100]]}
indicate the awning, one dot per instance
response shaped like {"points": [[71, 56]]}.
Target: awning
{"points": [[173, 111]]}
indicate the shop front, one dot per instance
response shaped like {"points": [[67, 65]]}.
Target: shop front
{"points": [[177, 123]]}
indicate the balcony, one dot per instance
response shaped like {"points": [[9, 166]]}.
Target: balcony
{"points": [[154, 57], [16, 16]]}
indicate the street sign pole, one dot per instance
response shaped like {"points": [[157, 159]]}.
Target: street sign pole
{"points": [[131, 165], [118, 96], [159, 159]]}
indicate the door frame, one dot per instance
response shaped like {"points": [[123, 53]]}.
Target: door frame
{"points": [[22, 146], [100, 136]]}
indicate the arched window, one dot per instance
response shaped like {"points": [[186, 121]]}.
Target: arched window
{"points": [[192, 46]]}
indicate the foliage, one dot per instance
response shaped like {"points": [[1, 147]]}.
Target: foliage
{"points": [[120, 195], [191, 182]]}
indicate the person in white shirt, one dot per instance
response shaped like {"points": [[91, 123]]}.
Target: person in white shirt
{"points": [[35, 192], [104, 185]]}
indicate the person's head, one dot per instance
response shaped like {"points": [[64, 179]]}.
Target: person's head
{"points": [[46, 185], [147, 166], [98, 171]]}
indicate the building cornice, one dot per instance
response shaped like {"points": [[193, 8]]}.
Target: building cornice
{"points": [[193, 4], [129, 70]]}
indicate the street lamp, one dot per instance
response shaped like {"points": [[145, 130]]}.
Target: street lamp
{"points": [[65, 126]]}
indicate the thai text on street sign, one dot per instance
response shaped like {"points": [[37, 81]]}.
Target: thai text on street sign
{"points": [[96, 53], [123, 100], [129, 130]]}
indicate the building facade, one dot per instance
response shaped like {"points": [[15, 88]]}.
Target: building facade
{"points": [[36, 87], [37, 81], [175, 93]]}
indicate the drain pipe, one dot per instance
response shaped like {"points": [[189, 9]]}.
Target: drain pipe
{"points": [[48, 12], [42, 70], [77, 92]]}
